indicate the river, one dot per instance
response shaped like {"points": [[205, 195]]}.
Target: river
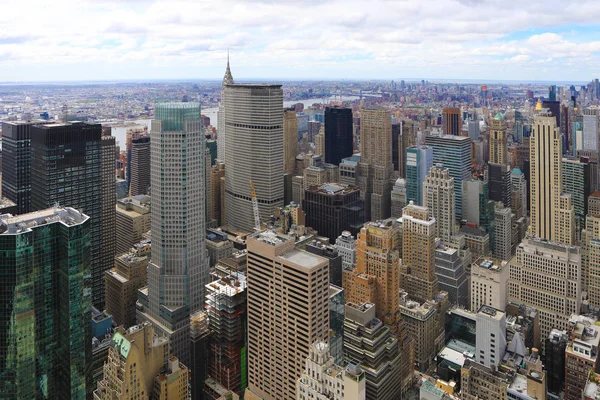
{"points": [[119, 132], [212, 112]]}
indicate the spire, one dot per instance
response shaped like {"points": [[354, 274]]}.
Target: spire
{"points": [[228, 78], [538, 106]]}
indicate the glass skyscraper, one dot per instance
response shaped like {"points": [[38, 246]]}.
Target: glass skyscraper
{"points": [[178, 271], [419, 159], [67, 166], [338, 134], [455, 153], [45, 326], [16, 163]]}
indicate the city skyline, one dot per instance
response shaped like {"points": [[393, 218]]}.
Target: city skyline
{"points": [[147, 40]]}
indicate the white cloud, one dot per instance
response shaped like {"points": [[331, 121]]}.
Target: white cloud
{"points": [[349, 38]]}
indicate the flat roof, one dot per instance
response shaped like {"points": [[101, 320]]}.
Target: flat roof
{"points": [[303, 258]]}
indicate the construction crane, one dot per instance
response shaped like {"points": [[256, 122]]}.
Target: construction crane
{"points": [[255, 207]]}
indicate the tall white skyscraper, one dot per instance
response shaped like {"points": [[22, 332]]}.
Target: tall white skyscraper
{"points": [[253, 123], [178, 271]]}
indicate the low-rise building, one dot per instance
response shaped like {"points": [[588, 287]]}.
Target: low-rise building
{"points": [[324, 380]]}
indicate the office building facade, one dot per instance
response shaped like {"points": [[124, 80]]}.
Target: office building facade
{"points": [[454, 152], [281, 330], [418, 276], [498, 140], [419, 159], [254, 152], [376, 166], [338, 134], [331, 209], [451, 121], [439, 199], [140, 166], [178, 271], [16, 164], [132, 221], [45, 316], [68, 162], [290, 140]]}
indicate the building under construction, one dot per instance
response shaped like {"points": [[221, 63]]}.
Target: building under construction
{"points": [[226, 308]]}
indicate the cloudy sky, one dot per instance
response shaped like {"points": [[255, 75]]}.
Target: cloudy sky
{"points": [[310, 39]]}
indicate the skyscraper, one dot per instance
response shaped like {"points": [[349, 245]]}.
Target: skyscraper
{"points": [[68, 162], [365, 335], [290, 140], [331, 209], [498, 140], [338, 134], [140, 166], [288, 310], [418, 276], [451, 121], [108, 194], [439, 199], [575, 181], [227, 80], [253, 123], [455, 153], [376, 278], [46, 337], [16, 164], [178, 271], [419, 159], [376, 167], [226, 308], [500, 188], [546, 170], [547, 276]]}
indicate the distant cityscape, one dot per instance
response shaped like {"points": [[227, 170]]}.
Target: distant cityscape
{"points": [[398, 239]]}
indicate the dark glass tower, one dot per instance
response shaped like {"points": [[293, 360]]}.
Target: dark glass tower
{"points": [[16, 162], [45, 329], [67, 160], [338, 134]]}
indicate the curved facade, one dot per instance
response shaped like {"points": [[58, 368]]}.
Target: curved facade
{"points": [[253, 123]]}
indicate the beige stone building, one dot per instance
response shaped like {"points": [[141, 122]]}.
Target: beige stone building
{"points": [[418, 276], [547, 276], [498, 141], [376, 166], [290, 140], [123, 281], [489, 281], [137, 368], [288, 310], [439, 199], [548, 219], [479, 382], [132, 221]]}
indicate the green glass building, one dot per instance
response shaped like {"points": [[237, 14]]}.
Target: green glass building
{"points": [[45, 330]]}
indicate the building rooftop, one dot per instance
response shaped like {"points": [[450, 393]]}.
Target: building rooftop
{"points": [[25, 222], [230, 285], [454, 356], [4, 203], [491, 265], [303, 258], [271, 237], [333, 188], [468, 230], [491, 312], [585, 336]]}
